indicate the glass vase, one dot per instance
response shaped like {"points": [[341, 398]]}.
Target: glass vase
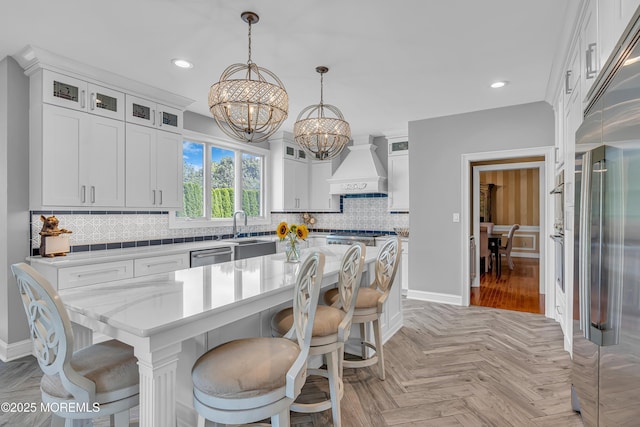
{"points": [[292, 252]]}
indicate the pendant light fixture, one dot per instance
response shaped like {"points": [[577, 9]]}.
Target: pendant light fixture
{"points": [[248, 107], [321, 136]]}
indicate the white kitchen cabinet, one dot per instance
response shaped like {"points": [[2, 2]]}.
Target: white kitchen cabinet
{"points": [[590, 49], [85, 275], [289, 175], [404, 266], [613, 17], [77, 160], [292, 151], [70, 92], [296, 185], [151, 114], [320, 198], [398, 175], [153, 168], [160, 264]]}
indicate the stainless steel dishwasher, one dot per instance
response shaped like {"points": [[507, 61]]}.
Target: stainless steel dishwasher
{"points": [[211, 256]]}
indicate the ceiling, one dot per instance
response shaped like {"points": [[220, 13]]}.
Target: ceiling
{"points": [[390, 62]]}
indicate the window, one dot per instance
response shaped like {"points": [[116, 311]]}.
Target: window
{"points": [[219, 179]]}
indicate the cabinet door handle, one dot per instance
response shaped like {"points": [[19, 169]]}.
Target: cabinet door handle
{"points": [[591, 70], [93, 101], [567, 76], [93, 194], [159, 118], [154, 197], [160, 196], [82, 100], [153, 113], [83, 193]]}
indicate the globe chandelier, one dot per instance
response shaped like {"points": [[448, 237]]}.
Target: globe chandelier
{"points": [[251, 106], [320, 135]]}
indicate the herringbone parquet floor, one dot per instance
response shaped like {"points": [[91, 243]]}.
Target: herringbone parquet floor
{"points": [[448, 366]]}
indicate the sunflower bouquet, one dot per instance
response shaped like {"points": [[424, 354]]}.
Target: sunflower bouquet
{"points": [[291, 234]]}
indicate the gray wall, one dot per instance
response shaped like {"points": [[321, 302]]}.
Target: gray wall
{"points": [[14, 195], [434, 169]]}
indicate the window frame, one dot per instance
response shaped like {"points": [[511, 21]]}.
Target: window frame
{"points": [[238, 149]]}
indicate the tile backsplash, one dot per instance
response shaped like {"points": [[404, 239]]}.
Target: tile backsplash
{"points": [[96, 230]]}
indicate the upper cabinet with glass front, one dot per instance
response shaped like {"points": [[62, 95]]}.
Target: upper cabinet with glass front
{"points": [[148, 113], [77, 94], [78, 139], [398, 174]]}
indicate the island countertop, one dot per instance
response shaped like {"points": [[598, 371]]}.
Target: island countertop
{"points": [[144, 306], [161, 316]]}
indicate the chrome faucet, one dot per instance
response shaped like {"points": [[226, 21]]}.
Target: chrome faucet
{"points": [[235, 227]]}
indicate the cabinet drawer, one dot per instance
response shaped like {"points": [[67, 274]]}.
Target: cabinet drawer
{"points": [[84, 275], [160, 264]]}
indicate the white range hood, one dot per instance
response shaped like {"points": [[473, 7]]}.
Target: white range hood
{"points": [[361, 171]]}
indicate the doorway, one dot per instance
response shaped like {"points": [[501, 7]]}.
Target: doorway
{"points": [[470, 260], [506, 193]]}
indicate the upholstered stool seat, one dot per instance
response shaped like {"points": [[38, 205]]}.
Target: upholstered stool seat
{"points": [[366, 302], [369, 305], [330, 331], [250, 379], [111, 365], [325, 327], [250, 367]]}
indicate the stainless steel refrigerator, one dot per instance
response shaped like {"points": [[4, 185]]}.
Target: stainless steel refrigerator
{"points": [[606, 302]]}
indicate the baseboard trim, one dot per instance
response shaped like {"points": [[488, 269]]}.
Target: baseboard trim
{"points": [[435, 297], [516, 254], [15, 350]]}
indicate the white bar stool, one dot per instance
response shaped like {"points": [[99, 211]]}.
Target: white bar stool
{"points": [[331, 329], [248, 380], [370, 304]]}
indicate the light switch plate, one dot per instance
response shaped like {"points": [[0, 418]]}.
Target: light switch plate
{"points": [[456, 217]]}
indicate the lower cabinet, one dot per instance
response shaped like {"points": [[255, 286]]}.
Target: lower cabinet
{"points": [[84, 275], [160, 264], [100, 272]]}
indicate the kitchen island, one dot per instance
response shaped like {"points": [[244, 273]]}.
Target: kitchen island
{"points": [[165, 316]]}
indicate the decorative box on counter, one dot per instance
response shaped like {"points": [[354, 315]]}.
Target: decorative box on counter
{"points": [[54, 245]]}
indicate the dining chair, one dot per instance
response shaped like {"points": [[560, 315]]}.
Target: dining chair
{"points": [[506, 249], [331, 328], [486, 228], [370, 304], [96, 381], [251, 379]]}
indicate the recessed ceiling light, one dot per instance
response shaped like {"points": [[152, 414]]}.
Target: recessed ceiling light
{"points": [[497, 85], [182, 63]]}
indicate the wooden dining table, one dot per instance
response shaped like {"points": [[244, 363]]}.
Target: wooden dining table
{"points": [[157, 314]]}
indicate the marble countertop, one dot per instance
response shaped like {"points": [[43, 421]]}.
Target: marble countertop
{"points": [[147, 305], [92, 257]]}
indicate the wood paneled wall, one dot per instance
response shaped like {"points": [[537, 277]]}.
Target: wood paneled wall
{"points": [[517, 196]]}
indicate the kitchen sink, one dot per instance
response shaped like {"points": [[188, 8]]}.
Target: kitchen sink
{"points": [[252, 248]]}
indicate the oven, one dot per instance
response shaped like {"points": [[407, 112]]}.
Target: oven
{"points": [[558, 193], [558, 243], [350, 238]]}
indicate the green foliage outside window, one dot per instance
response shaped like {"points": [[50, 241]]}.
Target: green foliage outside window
{"points": [[222, 192]]}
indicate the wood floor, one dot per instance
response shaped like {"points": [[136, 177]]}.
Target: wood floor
{"points": [[448, 366], [517, 289]]}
